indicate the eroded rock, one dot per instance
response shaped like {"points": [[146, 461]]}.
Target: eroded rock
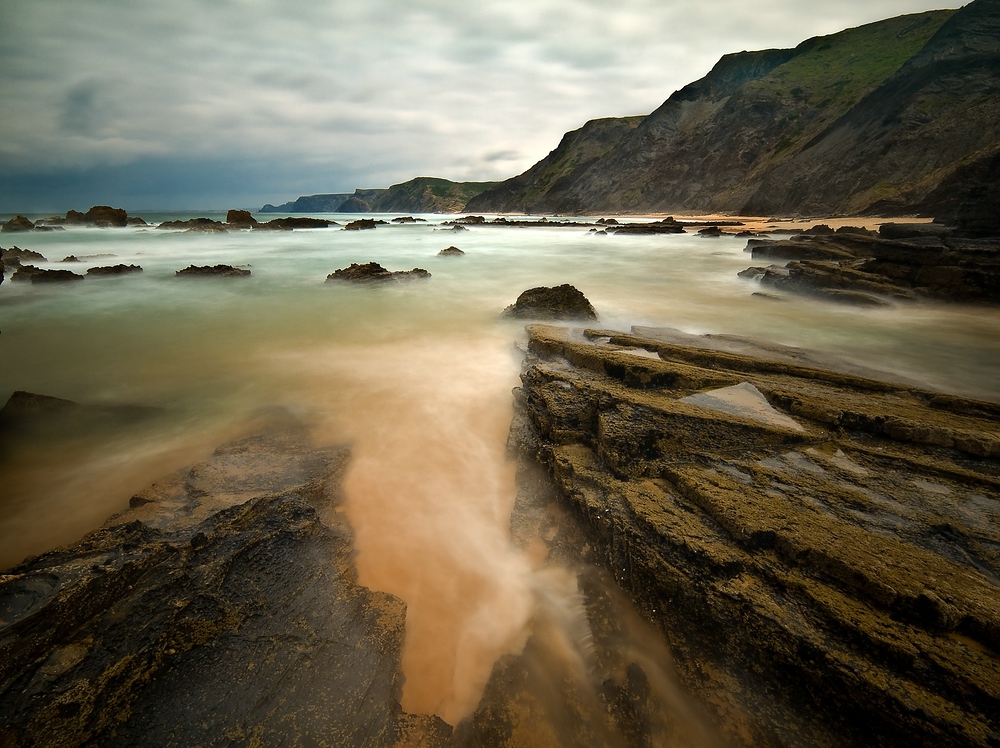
{"points": [[563, 302], [372, 272], [222, 607], [826, 578], [212, 271]]}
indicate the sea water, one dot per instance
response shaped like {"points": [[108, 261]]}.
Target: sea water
{"points": [[414, 376]]}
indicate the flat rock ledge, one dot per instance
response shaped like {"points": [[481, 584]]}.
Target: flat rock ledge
{"points": [[222, 609], [820, 549]]}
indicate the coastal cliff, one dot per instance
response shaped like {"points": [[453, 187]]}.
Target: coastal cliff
{"points": [[887, 118], [418, 195]]}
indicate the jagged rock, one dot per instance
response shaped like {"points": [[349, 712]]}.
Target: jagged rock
{"points": [[17, 224], [76, 218], [104, 216], [240, 218], [212, 271], [408, 219], [39, 275], [457, 227], [120, 269], [296, 222], [222, 607], [664, 226], [70, 258], [136, 221], [451, 252], [373, 272], [930, 262], [817, 549], [193, 224], [563, 302], [361, 224], [13, 256]]}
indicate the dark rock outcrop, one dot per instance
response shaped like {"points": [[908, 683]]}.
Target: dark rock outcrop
{"points": [[14, 256], [295, 222], [919, 260], [241, 218], [451, 252], [563, 302], [17, 224], [109, 270], [372, 272], [104, 216], [222, 608], [212, 271], [40, 275], [815, 545], [193, 224], [362, 224]]}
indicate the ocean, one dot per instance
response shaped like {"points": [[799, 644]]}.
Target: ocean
{"points": [[415, 376]]}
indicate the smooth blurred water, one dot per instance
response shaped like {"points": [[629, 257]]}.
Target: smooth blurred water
{"points": [[415, 376]]}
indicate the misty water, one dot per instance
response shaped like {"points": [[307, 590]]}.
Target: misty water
{"points": [[415, 376]]}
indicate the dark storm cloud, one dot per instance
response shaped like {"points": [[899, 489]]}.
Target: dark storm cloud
{"points": [[383, 88]]}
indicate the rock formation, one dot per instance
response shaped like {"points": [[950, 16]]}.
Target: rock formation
{"points": [[119, 269], [563, 302], [223, 607], [372, 272], [17, 224], [904, 261], [212, 271], [451, 252], [819, 548], [418, 195], [889, 118]]}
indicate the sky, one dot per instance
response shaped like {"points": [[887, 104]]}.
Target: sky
{"points": [[196, 104]]}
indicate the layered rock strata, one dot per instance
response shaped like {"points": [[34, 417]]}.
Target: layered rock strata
{"points": [[821, 549], [221, 609], [902, 262]]}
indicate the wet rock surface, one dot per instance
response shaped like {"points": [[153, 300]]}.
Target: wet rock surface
{"points": [[120, 269], [223, 608], [372, 272], [563, 302], [905, 261], [212, 271], [820, 548]]}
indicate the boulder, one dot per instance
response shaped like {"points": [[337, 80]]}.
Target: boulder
{"points": [[109, 270], [563, 302], [361, 224], [710, 231], [17, 224], [242, 218], [222, 607], [372, 272], [76, 218], [803, 538], [212, 271], [451, 252], [136, 221], [104, 216]]}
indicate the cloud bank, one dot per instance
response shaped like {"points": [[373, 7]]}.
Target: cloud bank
{"points": [[191, 104]]}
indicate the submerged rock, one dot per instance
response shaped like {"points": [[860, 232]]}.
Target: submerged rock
{"points": [[212, 271], [40, 275], [373, 272], [119, 269], [14, 256], [817, 546], [451, 252], [222, 608], [17, 224], [362, 224], [563, 302]]}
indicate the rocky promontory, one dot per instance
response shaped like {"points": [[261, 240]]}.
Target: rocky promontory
{"points": [[222, 608], [903, 261], [819, 548]]}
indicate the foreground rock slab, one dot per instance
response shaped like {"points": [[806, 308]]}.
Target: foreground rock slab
{"points": [[821, 549], [223, 608]]}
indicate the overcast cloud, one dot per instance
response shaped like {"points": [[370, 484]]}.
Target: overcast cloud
{"points": [[233, 103]]}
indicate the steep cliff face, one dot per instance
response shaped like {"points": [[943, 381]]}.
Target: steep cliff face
{"points": [[872, 119], [418, 195]]}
